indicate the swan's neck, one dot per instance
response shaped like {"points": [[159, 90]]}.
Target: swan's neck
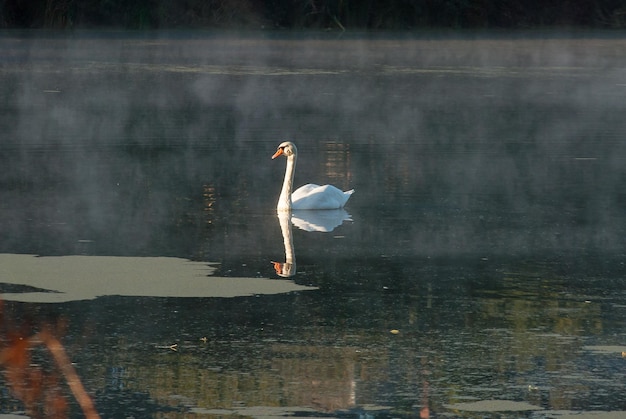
{"points": [[284, 201]]}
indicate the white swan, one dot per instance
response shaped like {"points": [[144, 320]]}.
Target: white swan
{"points": [[309, 196]]}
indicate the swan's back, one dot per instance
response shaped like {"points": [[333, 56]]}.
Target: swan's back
{"points": [[311, 196]]}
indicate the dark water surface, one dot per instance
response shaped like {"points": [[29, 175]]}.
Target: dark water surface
{"points": [[481, 275]]}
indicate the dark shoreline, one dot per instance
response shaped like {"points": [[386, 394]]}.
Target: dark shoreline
{"points": [[312, 15]]}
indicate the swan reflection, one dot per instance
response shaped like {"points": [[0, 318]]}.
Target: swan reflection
{"points": [[307, 220], [319, 220], [288, 268]]}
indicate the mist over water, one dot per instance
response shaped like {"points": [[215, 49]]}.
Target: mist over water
{"points": [[527, 126], [488, 170]]}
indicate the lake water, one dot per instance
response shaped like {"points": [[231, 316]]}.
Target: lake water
{"points": [[479, 269]]}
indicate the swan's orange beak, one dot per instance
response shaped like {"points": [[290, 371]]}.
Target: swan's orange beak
{"points": [[278, 153]]}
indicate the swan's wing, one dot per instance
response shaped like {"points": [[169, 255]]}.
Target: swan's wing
{"points": [[304, 191], [313, 196]]}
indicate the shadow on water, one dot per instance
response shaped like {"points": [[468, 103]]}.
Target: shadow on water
{"points": [[477, 270]]}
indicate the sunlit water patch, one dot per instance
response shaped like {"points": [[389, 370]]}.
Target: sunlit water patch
{"points": [[69, 278]]}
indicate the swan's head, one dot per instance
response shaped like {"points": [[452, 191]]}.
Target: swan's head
{"points": [[287, 149]]}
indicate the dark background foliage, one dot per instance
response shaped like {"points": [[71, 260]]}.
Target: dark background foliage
{"points": [[312, 14]]}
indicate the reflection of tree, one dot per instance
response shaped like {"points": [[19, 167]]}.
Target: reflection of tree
{"points": [[337, 164], [521, 335], [227, 374], [333, 350], [316, 376], [35, 384]]}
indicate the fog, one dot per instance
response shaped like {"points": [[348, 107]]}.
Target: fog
{"points": [[107, 131]]}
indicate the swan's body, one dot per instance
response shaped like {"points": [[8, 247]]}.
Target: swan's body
{"points": [[309, 196]]}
